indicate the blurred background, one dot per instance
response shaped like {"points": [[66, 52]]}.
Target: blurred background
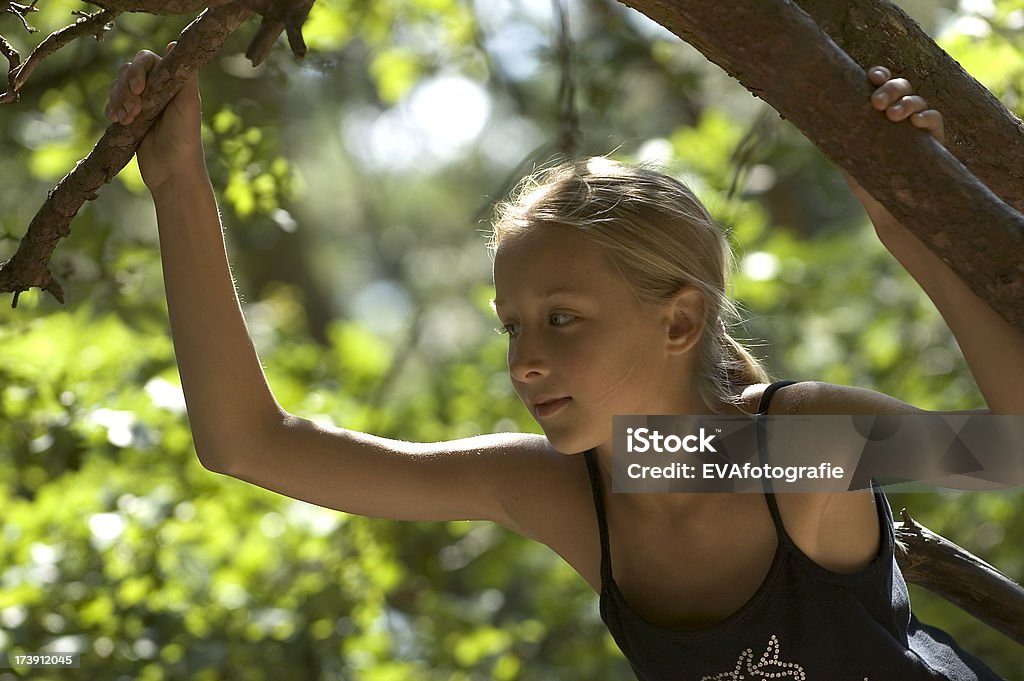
{"points": [[356, 188]]}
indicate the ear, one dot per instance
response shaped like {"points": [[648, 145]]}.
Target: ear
{"points": [[686, 314]]}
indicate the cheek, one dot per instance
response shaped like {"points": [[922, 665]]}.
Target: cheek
{"points": [[635, 373], [517, 387], [615, 377]]}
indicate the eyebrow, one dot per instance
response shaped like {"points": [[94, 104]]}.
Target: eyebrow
{"points": [[558, 290]]}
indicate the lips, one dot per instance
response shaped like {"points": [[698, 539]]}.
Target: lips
{"points": [[549, 406]]}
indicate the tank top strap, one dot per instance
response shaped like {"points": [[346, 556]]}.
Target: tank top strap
{"points": [[602, 523], [762, 451]]}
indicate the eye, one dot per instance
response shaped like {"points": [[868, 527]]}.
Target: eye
{"points": [[560, 318], [511, 330]]}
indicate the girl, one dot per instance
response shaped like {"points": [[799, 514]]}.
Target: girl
{"points": [[610, 283]]}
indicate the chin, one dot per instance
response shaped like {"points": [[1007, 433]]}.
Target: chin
{"points": [[566, 443], [571, 451]]}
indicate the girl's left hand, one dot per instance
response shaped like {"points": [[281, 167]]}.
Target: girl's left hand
{"points": [[894, 97]]}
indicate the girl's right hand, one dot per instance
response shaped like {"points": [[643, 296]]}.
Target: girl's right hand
{"points": [[173, 146]]}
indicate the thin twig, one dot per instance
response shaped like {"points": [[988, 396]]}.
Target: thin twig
{"points": [[159, 7], [20, 11], [13, 62], [197, 46], [94, 24], [741, 156], [571, 136]]}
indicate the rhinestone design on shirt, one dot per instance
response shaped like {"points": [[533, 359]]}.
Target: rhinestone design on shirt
{"points": [[768, 667]]}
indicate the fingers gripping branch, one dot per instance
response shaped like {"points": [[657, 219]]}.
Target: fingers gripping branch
{"points": [[199, 42], [197, 45]]}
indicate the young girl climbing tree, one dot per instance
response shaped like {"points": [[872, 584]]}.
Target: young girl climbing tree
{"points": [[610, 283]]}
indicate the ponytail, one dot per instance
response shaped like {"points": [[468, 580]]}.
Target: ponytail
{"points": [[740, 369]]}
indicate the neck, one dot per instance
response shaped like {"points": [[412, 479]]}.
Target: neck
{"points": [[691, 403], [639, 505]]}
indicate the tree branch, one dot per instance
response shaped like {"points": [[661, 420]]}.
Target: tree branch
{"points": [[10, 54], [94, 24], [197, 46], [781, 55], [278, 16], [158, 7], [877, 32], [20, 11], [13, 61], [937, 564]]}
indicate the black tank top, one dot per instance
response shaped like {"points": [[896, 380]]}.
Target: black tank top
{"points": [[804, 622]]}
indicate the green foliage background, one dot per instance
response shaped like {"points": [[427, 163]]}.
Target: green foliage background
{"points": [[354, 253]]}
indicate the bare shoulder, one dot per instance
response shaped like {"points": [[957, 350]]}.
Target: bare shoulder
{"points": [[838, 531], [521, 475], [544, 495], [535, 486], [808, 398]]}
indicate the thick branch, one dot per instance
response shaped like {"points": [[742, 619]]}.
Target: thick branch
{"points": [[781, 55], [942, 567], [197, 46], [986, 136]]}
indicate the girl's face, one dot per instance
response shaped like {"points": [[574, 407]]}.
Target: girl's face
{"points": [[582, 348]]}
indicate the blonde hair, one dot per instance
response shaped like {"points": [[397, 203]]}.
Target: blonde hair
{"points": [[660, 238]]}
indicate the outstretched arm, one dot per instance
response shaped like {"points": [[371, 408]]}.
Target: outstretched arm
{"points": [[238, 427], [226, 392], [993, 348]]}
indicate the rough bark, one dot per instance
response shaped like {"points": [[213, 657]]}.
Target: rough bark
{"points": [[942, 567], [278, 16], [197, 45], [775, 50], [29, 267], [94, 24], [782, 56], [160, 7], [980, 131]]}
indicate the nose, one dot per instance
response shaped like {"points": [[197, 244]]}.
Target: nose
{"points": [[527, 359]]}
